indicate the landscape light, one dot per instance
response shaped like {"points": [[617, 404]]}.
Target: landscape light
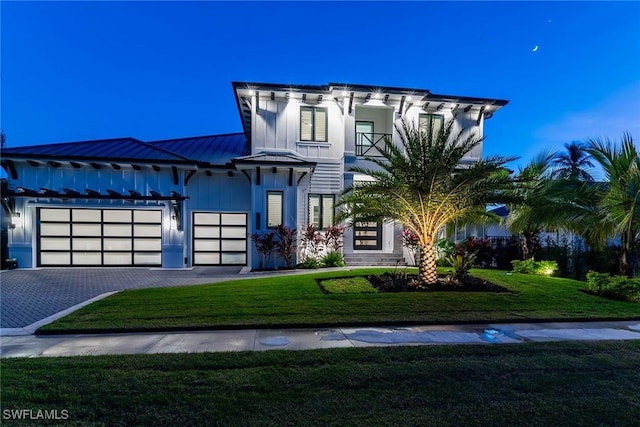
{"points": [[16, 220]]}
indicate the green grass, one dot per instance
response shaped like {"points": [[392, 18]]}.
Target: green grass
{"points": [[296, 300], [349, 285], [554, 384]]}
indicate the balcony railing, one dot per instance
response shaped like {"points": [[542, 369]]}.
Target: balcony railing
{"points": [[370, 144]]}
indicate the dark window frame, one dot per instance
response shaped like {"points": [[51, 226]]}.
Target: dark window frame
{"points": [[281, 193], [321, 197], [313, 123], [427, 116]]}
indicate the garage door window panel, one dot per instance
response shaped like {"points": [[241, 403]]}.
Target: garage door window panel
{"points": [[55, 243], [147, 245], [111, 244], [52, 229], [116, 215], [87, 258], [55, 258]]}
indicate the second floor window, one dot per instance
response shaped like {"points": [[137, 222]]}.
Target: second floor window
{"points": [[313, 124], [433, 121]]}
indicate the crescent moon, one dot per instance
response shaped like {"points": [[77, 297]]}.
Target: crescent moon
{"points": [[535, 48]]}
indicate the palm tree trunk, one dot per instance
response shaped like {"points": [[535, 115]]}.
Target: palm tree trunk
{"points": [[530, 244], [427, 273], [625, 266]]}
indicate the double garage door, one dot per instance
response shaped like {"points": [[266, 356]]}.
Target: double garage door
{"points": [[99, 237]]}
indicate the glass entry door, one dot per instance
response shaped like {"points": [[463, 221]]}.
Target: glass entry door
{"points": [[367, 236]]}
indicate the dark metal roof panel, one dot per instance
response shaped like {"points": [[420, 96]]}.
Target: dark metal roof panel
{"points": [[112, 149], [212, 149]]}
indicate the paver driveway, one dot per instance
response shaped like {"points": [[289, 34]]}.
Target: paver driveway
{"points": [[27, 296]]}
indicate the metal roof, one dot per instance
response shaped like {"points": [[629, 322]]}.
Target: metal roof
{"points": [[203, 150], [275, 158], [212, 149]]}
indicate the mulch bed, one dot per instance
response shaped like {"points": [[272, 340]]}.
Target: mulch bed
{"points": [[389, 282]]}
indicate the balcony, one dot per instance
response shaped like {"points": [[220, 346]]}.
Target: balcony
{"points": [[370, 144]]}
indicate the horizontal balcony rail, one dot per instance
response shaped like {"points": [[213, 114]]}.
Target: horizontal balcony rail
{"points": [[370, 144]]}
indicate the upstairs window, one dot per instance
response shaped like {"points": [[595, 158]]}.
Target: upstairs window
{"points": [[274, 208], [313, 124], [434, 120], [321, 210]]}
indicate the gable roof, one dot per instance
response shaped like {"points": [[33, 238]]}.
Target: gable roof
{"points": [[203, 150], [274, 158]]}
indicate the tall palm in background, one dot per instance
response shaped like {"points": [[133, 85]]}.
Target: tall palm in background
{"points": [[423, 185], [572, 164], [535, 209], [617, 207]]}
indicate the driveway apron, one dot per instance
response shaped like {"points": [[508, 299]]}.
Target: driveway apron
{"points": [[27, 296]]}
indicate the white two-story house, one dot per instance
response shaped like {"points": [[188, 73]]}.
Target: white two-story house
{"points": [[196, 201]]}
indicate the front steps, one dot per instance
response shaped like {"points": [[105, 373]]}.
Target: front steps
{"points": [[375, 259]]}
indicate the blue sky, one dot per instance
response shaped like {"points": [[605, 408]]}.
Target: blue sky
{"points": [[158, 70]]}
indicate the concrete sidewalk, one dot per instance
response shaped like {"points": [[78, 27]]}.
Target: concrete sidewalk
{"points": [[315, 338]]}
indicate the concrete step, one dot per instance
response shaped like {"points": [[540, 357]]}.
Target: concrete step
{"points": [[374, 259]]}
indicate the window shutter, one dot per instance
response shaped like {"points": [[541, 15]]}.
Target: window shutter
{"points": [[274, 208], [306, 123], [320, 122]]}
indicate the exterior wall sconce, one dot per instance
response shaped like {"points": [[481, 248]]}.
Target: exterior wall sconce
{"points": [[16, 220], [174, 222]]}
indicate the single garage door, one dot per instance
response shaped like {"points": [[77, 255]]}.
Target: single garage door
{"points": [[99, 237], [219, 238]]}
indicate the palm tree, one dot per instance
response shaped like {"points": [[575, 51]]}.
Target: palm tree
{"points": [[423, 185], [618, 200], [572, 163], [535, 208]]}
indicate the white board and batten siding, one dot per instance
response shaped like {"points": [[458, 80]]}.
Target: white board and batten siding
{"points": [[277, 127]]}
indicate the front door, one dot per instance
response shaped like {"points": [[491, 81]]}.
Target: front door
{"points": [[367, 236]]}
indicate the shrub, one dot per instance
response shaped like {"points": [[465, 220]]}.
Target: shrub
{"points": [[482, 248], [333, 237], [410, 241], [540, 268], [265, 245], [286, 246], [598, 282], [461, 263], [312, 242], [616, 286], [333, 259], [310, 263]]}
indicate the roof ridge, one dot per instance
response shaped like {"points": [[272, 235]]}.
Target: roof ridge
{"points": [[192, 137]]}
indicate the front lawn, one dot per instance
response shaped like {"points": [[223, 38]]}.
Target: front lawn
{"points": [[297, 300], [542, 384]]}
